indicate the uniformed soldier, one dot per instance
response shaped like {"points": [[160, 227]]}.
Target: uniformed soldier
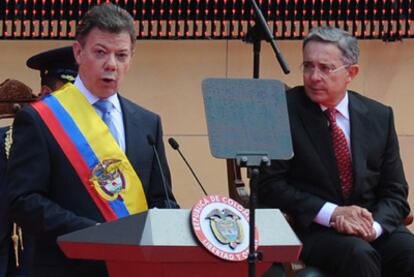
{"points": [[57, 67]]}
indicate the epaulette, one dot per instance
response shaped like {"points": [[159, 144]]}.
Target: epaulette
{"points": [[8, 141]]}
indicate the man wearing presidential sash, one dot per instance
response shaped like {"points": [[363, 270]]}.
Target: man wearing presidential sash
{"points": [[80, 156]]}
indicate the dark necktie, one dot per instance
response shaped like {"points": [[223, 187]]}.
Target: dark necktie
{"points": [[105, 107], [342, 153]]}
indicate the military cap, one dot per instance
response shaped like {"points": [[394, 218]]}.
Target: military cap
{"points": [[58, 63]]}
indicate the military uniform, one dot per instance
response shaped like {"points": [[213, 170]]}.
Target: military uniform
{"points": [[56, 66]]}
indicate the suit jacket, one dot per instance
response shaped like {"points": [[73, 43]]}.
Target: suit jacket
{"points": [[47, 197], [302, 185]]}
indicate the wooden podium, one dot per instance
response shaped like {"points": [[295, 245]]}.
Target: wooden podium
{"points": [[160, 242]]}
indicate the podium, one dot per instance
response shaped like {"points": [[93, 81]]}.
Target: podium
{"points": [[160, 242]]}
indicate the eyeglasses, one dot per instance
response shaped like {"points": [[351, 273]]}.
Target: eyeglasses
{"points": [[324, 70]]}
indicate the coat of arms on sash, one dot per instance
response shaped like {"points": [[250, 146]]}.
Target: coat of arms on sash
{"points": [[108, 179], [222, 226]]}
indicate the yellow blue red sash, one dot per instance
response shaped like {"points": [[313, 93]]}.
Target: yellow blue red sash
{"points": [[100, 163]]}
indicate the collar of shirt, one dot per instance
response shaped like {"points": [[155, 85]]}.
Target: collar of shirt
{"points": [[342, 107], [342, 118], [92, 99], [117, 112]]}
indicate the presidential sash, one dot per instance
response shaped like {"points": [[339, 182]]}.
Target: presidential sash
{"points": [[100, 163]]}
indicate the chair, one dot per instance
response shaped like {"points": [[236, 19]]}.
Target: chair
{"points": [[13, 95]]}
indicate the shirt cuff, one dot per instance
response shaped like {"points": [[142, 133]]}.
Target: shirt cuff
{"points": [[378, 229], [324, 215]]}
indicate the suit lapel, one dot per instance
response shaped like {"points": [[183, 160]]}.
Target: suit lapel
{"points": [[360, 130], [316, 125], [133, 136]]}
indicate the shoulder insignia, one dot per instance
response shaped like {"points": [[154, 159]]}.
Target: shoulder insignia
{"points": [[8, 141]]}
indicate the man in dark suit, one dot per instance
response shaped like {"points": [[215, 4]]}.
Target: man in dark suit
{"points": [[74, 164], [345, 187]]}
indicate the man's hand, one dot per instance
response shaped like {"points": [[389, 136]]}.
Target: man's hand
{"points": [[371, 237], [354, 220]]}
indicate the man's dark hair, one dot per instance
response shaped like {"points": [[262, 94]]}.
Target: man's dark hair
{"points": [[106, 17]]}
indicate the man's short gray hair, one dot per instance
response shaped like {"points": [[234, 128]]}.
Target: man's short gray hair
{"points": [[343, 40]]}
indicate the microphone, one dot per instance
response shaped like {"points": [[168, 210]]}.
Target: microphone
{"points": [[174, 144], [151, 141]]}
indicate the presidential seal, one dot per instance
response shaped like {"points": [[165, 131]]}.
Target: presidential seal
{"points": [[222, 226], [108, 180]]}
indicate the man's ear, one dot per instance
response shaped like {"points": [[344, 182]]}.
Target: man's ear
{"points": [[45, 90], [77, 51], [352, 72]]}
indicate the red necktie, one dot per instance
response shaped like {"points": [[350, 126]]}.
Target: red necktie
{"points": [[342, 153]]}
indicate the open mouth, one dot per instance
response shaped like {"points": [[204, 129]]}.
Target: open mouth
{"points": [[108, 80]]}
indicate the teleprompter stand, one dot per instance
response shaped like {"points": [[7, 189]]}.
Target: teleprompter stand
{"points": [[260, 31], [247, 120]]}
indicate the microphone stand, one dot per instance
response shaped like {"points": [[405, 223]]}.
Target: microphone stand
{"points": [[151, 142], [260, 31]]}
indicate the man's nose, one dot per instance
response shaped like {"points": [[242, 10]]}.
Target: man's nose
{"points": [[315, 74], [111, 62]]}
